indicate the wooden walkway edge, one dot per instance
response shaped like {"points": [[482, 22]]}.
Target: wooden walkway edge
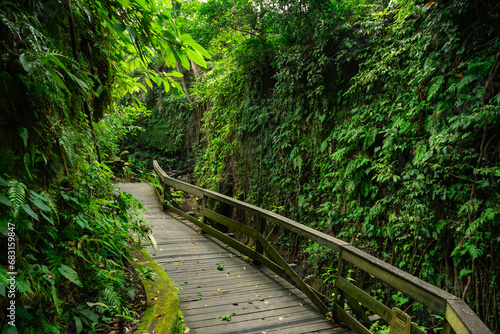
{"points": [[250, 299]]}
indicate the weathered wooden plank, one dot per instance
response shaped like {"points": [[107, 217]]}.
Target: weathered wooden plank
{"points": [[232, 224], [253, 324], [414, 287], [462, 319], [371, 303], [210, 312], [318, 327], [350, 321], [251, 296], [231, 242]]}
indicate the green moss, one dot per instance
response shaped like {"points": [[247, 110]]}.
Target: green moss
{"points": [[162, 308]]}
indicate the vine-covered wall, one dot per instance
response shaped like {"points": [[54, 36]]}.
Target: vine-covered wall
{"points": [[379, 125]]}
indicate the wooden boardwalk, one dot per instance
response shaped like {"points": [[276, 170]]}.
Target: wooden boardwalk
{"points": [[255, 299]]}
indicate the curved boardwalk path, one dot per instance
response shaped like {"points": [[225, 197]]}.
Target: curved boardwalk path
{"points": [[261, 301]]}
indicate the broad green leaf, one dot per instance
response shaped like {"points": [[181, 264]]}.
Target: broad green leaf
{"points": [[28, 62], [90, 315], [119, 27], [148, 82], [80, 83], [29, 211], [37, 201], [57, 78], [174, 74], [56, 299], [184, 60], [132, 31], [198, 48], [124, 3], [2, 289], [166, 86], [196, 57], [4, 200], [78, 324], [3, 182], [70, 274]]}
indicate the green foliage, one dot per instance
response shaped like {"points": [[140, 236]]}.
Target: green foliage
{"points": [[375, 123], [66, 96]]}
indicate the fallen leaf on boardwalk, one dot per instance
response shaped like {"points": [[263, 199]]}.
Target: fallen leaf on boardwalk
{"points": [[185, 282], [238, 276], [154, 298], [280, 318], [193, 243], [218, 289], [301, 304], [199, 293], [186, 330]]}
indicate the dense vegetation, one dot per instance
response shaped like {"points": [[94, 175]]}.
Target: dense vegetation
{"points": [[374, 121], [66, 99]]}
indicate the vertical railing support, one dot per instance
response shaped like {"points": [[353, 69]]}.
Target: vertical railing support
{"points": [[261, 227]]}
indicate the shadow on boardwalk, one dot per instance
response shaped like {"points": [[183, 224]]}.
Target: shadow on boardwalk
{"points": [[255, 299]]}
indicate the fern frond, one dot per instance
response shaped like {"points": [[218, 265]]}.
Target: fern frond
{"points": [[17, 195]]}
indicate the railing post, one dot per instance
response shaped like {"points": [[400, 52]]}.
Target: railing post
{"points": [[204, 204], [261, 227], [341, 272]]}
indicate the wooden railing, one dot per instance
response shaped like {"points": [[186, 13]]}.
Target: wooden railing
{"points": [[458, 317]]}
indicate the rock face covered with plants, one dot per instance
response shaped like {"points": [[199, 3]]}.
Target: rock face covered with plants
{"points": [[66, 99], [375, 121]]}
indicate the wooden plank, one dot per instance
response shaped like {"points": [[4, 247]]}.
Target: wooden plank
{"points": [[253, 324], [293, 275], [232, 224], [244, 308], [368, 301], [231, 242], [358, 310], [371, 303], [311, 327], [416, 288], [350, 321], [462, 319]]}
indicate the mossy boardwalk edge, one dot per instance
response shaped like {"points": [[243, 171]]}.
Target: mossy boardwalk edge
{"points": [[162, 308]]}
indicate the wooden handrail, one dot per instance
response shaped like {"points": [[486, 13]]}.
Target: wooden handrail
{"points": [[458, 315]]}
